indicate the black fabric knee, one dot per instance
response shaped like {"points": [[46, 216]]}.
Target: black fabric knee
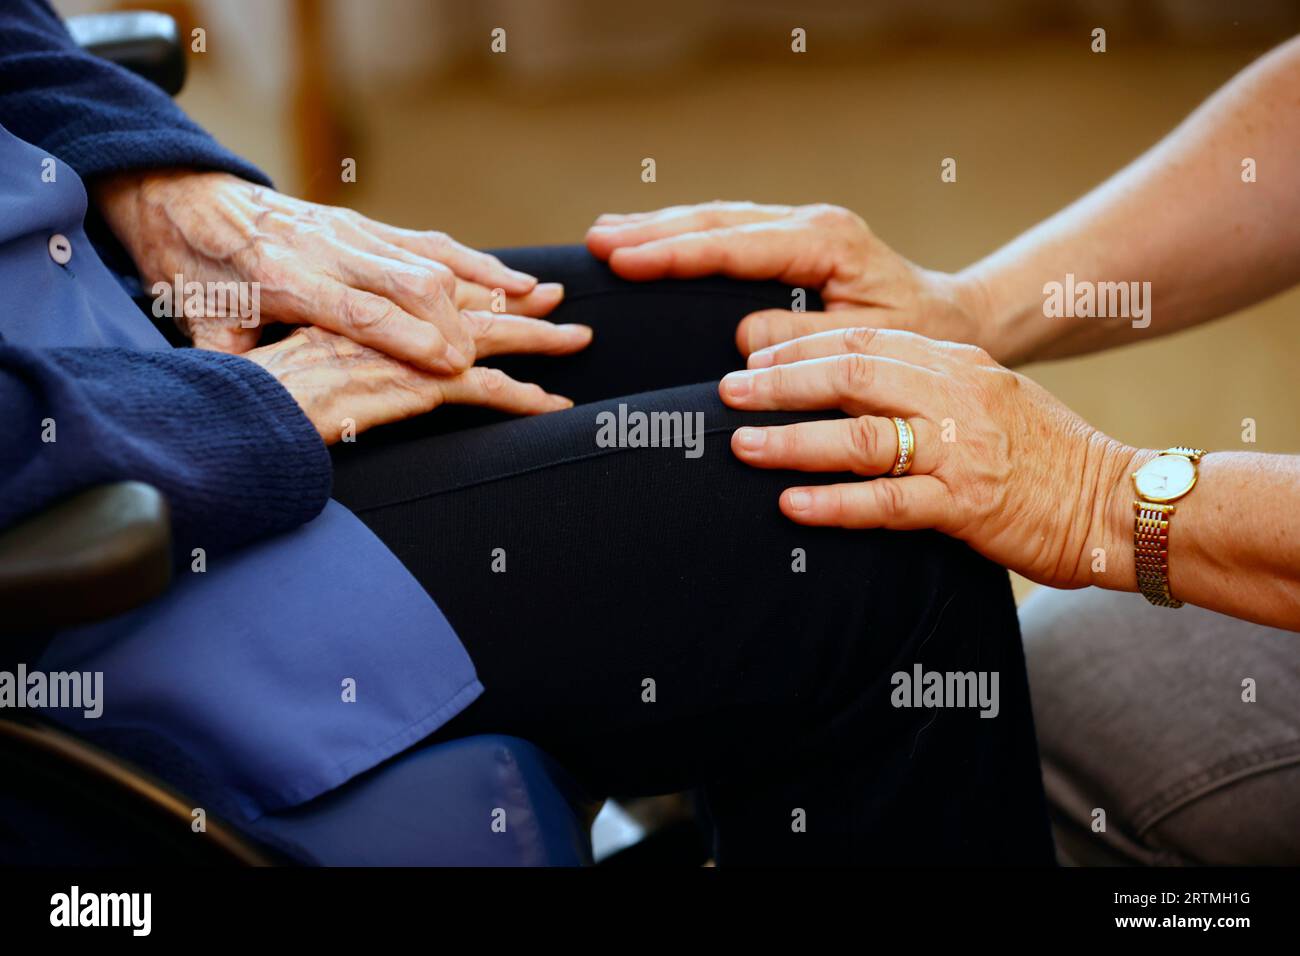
{"points": [[648, 335], [768, 647]]}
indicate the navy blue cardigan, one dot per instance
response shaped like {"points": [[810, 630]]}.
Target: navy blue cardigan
{"points": [[92, 114], [217, 434]]}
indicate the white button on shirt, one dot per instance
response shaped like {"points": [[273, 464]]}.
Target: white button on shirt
{"points": [[60, 248]]}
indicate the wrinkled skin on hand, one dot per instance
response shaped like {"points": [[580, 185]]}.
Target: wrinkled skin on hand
{"points": [[399, 291], [341, 385]]}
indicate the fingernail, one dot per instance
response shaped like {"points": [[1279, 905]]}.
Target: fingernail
{"points": [[562, 402], [737, 384], [521, 276], [751, 439], [550, 289], [799, 500], [576, 330], [762, 358], [456, 358]]}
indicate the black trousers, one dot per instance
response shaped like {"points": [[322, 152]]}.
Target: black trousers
{"points": [[659, 625]]}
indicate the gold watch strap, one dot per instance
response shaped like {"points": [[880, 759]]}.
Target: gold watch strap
{"points": [[1151, 552], [1151, 541]]}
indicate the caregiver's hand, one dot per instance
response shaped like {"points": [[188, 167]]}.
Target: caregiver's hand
{"points": [[1020, 478], [862, 281], [336, 381], [396, 290]]}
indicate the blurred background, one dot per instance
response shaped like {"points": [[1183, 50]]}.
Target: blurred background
{"points": [[529, 145]]}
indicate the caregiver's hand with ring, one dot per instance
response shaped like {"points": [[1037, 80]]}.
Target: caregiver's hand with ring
{"points": [[1022, 480], [1002, 465], [827, 248]]}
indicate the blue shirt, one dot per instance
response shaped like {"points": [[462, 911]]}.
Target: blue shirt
{"points": [[242, 667]]}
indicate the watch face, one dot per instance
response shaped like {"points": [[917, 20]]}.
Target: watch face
{"points": [[1165, 478]]}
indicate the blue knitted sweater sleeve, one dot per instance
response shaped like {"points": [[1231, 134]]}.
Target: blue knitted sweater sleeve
{"points": [[94, 115], [226, 444]]}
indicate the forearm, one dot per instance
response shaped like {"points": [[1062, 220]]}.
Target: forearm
{"points": [[1180, 217], [1234, 540]]}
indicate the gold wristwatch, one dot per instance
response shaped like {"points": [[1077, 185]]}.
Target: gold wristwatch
{"points": [[1159, 483]]}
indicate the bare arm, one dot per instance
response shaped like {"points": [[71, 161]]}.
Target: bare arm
{"points": [[1180, 217]]}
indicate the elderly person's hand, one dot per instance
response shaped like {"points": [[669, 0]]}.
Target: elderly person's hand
{"points": [[341, 385], [861, 280], [398, 291], [998, 463]]}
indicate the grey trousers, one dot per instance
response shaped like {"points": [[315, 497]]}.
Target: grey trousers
{"points": [[1167, 736]]}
